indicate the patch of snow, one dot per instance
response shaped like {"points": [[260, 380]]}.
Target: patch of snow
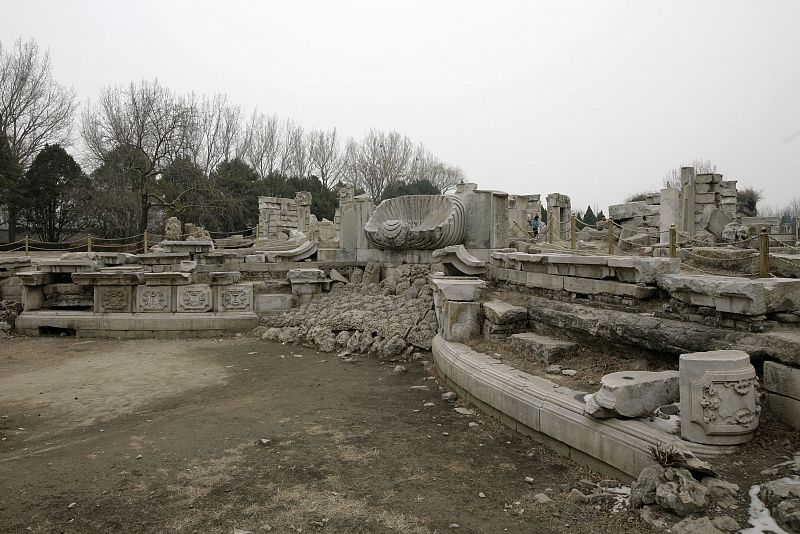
{"points": [[621, 498], [760, 517]]}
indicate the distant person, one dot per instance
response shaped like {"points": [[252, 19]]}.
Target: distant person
{"points": [[535, 224]]}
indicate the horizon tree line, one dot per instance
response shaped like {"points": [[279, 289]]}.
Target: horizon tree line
{"points": [[147, 152]]}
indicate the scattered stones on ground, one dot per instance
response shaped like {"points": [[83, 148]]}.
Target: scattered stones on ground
{"points": [[399, 369], [464, 411], [449, 396]]}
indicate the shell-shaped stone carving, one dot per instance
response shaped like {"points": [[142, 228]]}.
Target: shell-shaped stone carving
{"points": [[417, 222]]}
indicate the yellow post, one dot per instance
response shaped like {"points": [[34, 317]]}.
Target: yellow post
{"points": [[89, 243], [610, 236], [673, 235], [763, 249], [572, 225], [27, 246], [145, 242]]}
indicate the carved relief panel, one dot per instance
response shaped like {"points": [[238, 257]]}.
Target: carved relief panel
{"points": [[194, 298]]}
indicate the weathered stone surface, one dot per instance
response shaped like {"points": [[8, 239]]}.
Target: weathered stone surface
{"points": [[719, 397], [460, 321], [702, 525], [726, 523], [637, 393], [643, 490], [336, 276], [458, 289], [681, 494], [417, 222], [539, 347], [500, 312], [721, 492], [784, 409], [108, 279], [173, 229], [714, 221], [638, 270], [787, 513], [457, 261], [662, 335], [629, 210], [734, 295], [782, 380]]}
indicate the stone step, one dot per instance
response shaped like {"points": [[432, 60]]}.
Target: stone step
{"points": [[500, 312], [539, 347]]}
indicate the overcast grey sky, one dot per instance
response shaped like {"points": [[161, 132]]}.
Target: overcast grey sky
{"points": [[593, 99]]}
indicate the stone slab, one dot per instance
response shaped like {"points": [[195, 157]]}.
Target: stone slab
{"points": [[458, 289], [499, 312], [167, 279], [785, 409], [273, 302], [234, 298], [586, 286], [539, 347], [194, 298], [734, 295], [782, 379], [136, 325]]}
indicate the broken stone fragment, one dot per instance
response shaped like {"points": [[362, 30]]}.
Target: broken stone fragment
{"points": [[499, 312], [635, 393]]}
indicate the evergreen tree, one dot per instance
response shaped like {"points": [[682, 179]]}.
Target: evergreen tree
{"points": [[10, 178], [53, 195], [419, 187], [589, 217], [601, 216]]}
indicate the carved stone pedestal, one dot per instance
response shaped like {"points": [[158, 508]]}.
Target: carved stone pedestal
{"points": [[719, 397]]}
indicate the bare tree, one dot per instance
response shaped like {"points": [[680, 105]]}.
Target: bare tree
{"points": [[298, 150], [426, 166], [214, 132], [141, 127], [35, 109], [261, 143], [672, 180], [326, 160], [378, 160]]}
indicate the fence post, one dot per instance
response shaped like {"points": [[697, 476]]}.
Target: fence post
{"points": [[27, 246], [146, 244], [673, 235], [89, 243], [763, 249], [258, 232], [610, 236], [572, 231]]}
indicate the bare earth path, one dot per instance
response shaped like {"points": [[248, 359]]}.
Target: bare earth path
{"points": [[160, 436]]}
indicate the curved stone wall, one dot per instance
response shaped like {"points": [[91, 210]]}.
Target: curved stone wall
{"points": [[417, 222]]}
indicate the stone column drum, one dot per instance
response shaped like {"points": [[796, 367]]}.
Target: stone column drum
{"points": [[719, 397]]}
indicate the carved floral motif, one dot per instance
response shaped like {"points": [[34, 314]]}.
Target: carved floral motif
{"points": [[235, 299], [154, 299], [195, 299], [115, 300]]}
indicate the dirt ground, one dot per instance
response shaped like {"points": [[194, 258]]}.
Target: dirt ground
{"points": [[161, 436]]}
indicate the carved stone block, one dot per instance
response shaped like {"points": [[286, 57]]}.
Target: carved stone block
{"points": [[194, 298], [417, 222], [719, 397], [235, 298], [154, 299], [112, 299]]}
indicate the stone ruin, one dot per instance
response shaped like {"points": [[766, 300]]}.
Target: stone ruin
{"points": [[430, 273]]}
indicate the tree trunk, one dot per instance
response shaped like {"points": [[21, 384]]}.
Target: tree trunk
{"points": [[12, 224], [145, 216]]}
